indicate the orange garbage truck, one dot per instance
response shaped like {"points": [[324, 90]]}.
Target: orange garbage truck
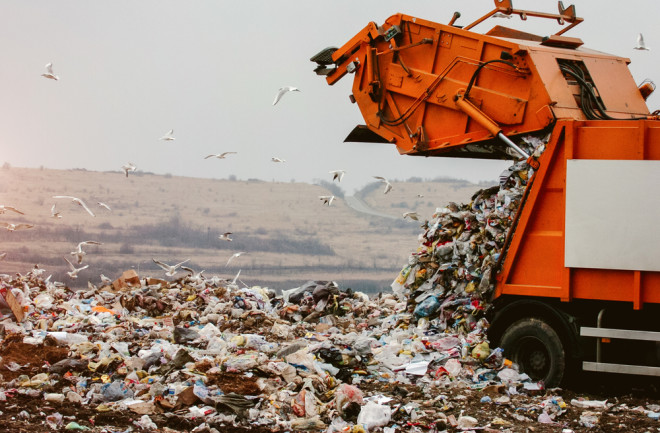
{"points": [[577, 285]]}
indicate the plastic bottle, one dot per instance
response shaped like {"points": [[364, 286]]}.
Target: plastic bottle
{"points": [[55, 397], [69, 338]]}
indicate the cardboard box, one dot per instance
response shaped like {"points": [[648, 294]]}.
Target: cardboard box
{"points": [[15, 307], [127, 280]]}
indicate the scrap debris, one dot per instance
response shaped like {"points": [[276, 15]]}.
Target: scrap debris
{"points": [[205, 354]]}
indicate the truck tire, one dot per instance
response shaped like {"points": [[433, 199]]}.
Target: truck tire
{"points": [[537, 349]]}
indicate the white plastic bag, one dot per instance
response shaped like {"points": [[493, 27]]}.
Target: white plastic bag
{"points": [[374, 415]]}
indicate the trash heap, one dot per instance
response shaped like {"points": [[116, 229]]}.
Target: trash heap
{"points": [[448, 280], [206, 354]]}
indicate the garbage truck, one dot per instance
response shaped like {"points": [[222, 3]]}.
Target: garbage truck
{"points": [[577, 287]]}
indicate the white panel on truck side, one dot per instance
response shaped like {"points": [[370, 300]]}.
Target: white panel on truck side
{"points": [[613, 214]]}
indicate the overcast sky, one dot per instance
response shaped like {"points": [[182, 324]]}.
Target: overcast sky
{"points": [[132, 70]]}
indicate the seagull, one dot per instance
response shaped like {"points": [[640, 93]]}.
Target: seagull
{"points": [[169, 136], [4, 209], [337, 174], [13, 227], [49, 72], [388, 185], [103, 205], [37, 271], [79, 253], [225, 237], [276, 159], [420, 195], [105, 280], [2, 256], [284, 90], [234, 256], [54, 213], [128, 167], [195, 276], [327, 199], [411, 215], [641, 45], [169, 270], [77, 201], [236, 277], [74, 271], [501, 15], [219, 155]]}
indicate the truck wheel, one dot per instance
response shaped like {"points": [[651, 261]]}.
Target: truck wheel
{"points": [[537, 349]]}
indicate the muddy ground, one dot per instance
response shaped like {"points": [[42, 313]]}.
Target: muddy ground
{"points": [[23, 413]]}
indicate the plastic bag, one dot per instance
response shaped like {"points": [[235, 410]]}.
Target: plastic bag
{"points": [[374, 415], [346, 394], [54, 421], [116, 391], [146, 423], [428, 307]]}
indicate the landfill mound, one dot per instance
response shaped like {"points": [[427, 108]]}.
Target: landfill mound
{"points": [[206, 354]]}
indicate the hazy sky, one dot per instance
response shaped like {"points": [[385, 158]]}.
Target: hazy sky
{"points": [[131, 70]]}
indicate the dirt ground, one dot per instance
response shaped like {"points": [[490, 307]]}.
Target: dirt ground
{"points": [[23, 413]]}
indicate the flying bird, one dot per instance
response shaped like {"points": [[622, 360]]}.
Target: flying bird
{"points": [[219, 155], [388, 185], [501, 15], [236, 277], [128, 167], [4, 209], [13, 227], [337, 174], [54, 213], [411, 215], [79, 253], [169, 136], [234, 256], [3, 256], [169, 270], [49, 72], [284, 90], [327, 199], [77, 201], [641, 45], [276, 159], [103, 205], [73, 274], [225, 237]]}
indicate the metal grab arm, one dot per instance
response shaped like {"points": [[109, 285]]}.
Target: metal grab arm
{"points": [[482, 118]]}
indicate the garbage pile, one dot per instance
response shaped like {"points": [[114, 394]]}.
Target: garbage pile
{"points": [[448, 279], [207, 354]]}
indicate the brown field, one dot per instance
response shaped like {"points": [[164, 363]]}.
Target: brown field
{"points": [[290, 237]]}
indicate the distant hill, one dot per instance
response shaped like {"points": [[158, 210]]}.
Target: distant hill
{"points": [[289, 236]]}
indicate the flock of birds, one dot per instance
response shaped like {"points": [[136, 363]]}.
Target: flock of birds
{"points": [[78, 254], [171, 270]]}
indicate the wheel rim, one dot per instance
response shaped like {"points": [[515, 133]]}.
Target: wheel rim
{"points": [[533, 358]]}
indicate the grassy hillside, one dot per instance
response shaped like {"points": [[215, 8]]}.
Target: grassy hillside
{"points": [[288, 234]]}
